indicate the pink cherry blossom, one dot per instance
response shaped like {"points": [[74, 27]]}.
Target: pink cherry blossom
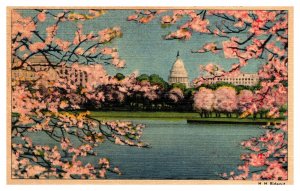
{"points": [[257, 160], [176, 94], [229, 48], [180, 34], [41, 17], [132, 17], [245, 99], [204, 99], [37, 46], [212, 47], [225, 99]]}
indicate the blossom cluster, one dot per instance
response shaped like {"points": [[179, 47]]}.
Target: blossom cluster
{"points": [[242, 35]]}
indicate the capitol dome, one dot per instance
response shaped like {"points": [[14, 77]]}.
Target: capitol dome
{"points": [[178, 73]]}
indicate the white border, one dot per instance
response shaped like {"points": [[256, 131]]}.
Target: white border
{"points": [[3, 5]]}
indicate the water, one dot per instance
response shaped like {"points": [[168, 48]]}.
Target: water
{"points": [[180, 151]]}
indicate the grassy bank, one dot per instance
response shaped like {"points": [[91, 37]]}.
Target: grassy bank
{"points": [[232, 120], [190, 117], [123, 114]]}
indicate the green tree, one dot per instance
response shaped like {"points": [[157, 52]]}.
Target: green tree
{"points": [[119, 76], [142, 77], [179, 85], [157, 80]]}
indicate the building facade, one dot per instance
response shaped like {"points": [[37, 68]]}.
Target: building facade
{"points": [[245, 79], [178, 73], [38, 63], [75, 76]]}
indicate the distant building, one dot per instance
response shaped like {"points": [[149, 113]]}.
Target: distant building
{"points": [[245, 79], [77, 77], [35, 64], [178, 73], [23, 75], [39, 63]]}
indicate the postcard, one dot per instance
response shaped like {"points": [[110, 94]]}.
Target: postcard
{"points": [[191, 95]]}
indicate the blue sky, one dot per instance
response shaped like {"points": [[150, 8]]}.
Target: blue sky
{"points": [[144, 49]]}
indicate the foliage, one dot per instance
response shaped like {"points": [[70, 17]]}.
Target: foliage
{"points": [[143, 77], [179, 85], [266, 39], [38, 104], [155, 79], [120, 76]]}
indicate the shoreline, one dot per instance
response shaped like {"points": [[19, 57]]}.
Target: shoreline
{"points": [[229, 122], [188, 117]]}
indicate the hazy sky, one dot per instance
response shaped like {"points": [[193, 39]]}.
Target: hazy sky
{"points": [[144, 49]]}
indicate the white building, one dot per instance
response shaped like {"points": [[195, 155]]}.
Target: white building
{"points": [[77, 77], [39, 63], [245, 79], [178, 73]]}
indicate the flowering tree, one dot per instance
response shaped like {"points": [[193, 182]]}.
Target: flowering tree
{"points": [[265, 39], [38, 105], [74, 135], [29, 38], [175, 94], [243, 35], [204, 100], [225, 100], [245, 99]]}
